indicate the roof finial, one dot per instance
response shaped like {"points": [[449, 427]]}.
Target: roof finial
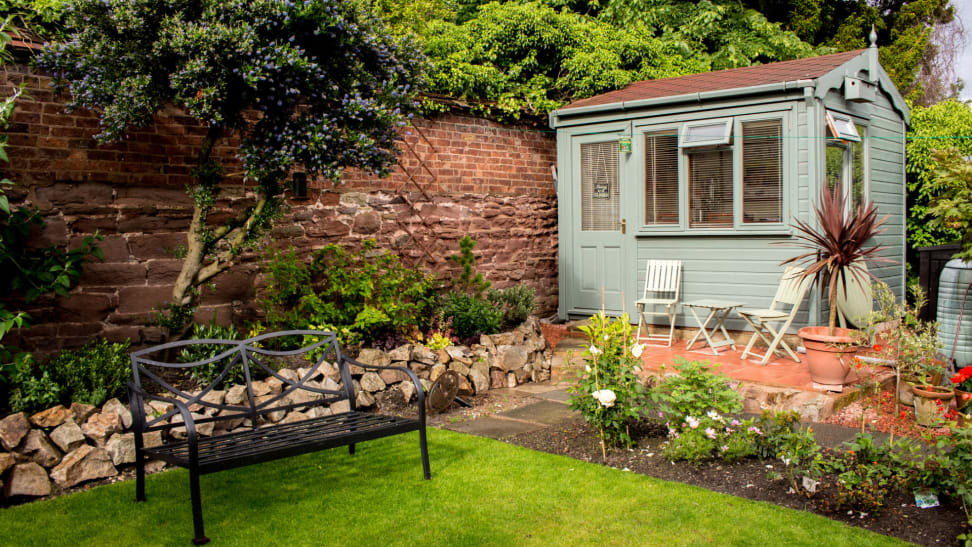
{"points": [[873, 37]]}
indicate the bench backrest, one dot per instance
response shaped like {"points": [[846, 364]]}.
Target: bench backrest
{"points": [[250, 355]]}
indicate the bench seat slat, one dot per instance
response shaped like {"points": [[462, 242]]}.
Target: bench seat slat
{"points": [[279, 440]]}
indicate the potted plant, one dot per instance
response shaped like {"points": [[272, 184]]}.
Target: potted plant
{"points": [[835, 252], [962, 383]]}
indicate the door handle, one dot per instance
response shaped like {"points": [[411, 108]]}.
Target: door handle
{"points": [[624, 225]]}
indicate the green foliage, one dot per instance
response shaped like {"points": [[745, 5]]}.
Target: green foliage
{"points": [[607, 392], [933, 128], [732, 34], [695, 391], [528, 56], [368, 292], [868, 472], [91, 375], [710, 435], [470, 315], [206, 374], [469, 280], [951, 209], [330, 89], [516, 303], [44, 17]]}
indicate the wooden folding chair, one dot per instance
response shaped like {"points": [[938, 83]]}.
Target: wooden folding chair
{"points": [[663, 279], [790, 293]]}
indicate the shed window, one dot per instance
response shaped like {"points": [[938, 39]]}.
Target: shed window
{"points": [[845, 169], [661, 179], [842, 127], [707, 133], [600, 191], [762, 152], [710, 188]]}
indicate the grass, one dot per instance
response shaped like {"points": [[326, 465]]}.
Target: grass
{"points": [[482, 492]]}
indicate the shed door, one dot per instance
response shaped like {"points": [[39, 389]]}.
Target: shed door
{"points": [[599, 255]]}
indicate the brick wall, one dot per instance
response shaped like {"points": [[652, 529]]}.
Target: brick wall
{"points": [[459, 175]]}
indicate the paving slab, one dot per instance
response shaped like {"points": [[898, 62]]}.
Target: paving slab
{"points": [[494, 428], [559, 395], [544, 412]]}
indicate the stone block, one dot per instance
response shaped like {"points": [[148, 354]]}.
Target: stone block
{"points": [[124, 415], [13, 429], [40, 449], [7, 460], [82, 412], [112, 274], [121, 448], [401, 353], [497, 379], [437, 370], [392, 376], [407, 389], [83, 464], [364, 399], [84, 307], [480, 381], [510, 357], [340, 407], [163, 271], [374, 357], [27, 479], [371, 382], [163, 245], [101, 426], [52, 417], [142, 299]]}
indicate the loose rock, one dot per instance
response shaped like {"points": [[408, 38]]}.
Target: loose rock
{"points": [[68, 436], [52, 417], [121, 448], [82, 412], [13, 429], [27, 479], [371, 382], [83, 464], [101, 426], [40, 449], [114, 405]]}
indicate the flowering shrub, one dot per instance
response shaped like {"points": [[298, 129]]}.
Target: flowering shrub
{"points": [[607, 392], [711, 435], [963, 379], [694, 391]]}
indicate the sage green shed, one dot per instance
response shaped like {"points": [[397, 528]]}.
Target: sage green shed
{"points": [[712, 169]]}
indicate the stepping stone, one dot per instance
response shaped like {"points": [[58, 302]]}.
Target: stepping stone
{"points": [[544, 412], [494, 428]]}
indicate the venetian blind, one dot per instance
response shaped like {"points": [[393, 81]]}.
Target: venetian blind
{"points": [[600, 192], [762, 171], [661, 178], [710, 188]]}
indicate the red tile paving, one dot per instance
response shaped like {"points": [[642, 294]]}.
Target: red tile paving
{"points": [[777, 372]]}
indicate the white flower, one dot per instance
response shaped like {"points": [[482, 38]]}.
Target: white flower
{"points": [[593, 349], [692, 422], [605, 396], [714, 415], [637, 348], [587, 368], [606, 337]]}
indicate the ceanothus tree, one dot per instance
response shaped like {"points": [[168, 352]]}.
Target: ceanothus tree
{"points": [[317, 83]]}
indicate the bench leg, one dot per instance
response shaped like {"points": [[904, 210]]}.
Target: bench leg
{"points": [[351, 449], [425, 454], [197, 518], [139, 477]]}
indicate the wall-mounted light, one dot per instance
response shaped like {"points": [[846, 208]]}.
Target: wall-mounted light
{"points": [[299, 185]]}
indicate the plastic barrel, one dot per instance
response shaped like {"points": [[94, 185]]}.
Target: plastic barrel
{"points": [[955, 279]]}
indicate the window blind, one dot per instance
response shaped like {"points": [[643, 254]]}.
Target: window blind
{"points": [[661, 178], [710, 188], [600, 192], [762, 171]]}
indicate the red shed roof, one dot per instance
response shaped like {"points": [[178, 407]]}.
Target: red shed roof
{"points": [[733, 78]]}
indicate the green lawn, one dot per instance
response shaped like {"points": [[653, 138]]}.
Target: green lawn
{"points": [[482, 492]]}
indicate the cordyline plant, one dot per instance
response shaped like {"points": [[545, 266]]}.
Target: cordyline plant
{"points": [[839, 246], [316, 83]]}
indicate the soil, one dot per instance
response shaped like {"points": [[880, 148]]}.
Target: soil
{"points": [[749, 479]]}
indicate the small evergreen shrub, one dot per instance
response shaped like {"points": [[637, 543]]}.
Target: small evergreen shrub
{"points": [[516, 303], [205, 374], [695, 391], [470, 315]]}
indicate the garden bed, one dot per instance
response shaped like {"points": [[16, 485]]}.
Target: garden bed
{"points": [[747, 479]]}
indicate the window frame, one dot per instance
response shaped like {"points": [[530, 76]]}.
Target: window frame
{"points": [[723, 140], [848, 160], [738, 117], [832, 125]]}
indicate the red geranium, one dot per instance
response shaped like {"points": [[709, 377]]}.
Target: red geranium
{"points": [[963, 380]]}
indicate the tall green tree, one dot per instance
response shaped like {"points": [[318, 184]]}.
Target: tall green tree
{"points": [[327, 87]]}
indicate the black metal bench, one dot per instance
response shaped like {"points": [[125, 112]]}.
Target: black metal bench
{"points": [[261, 439]]}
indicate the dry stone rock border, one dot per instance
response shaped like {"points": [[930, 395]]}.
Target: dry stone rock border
{"points": [[62, 447]]}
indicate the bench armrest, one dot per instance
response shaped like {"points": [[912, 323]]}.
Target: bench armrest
{"points": [[138, 394], [419, 391]]}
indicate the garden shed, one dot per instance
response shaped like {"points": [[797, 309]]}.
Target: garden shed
{"points": [[713, 168]]}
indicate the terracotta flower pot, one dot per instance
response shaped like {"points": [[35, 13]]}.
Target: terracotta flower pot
{"points": [[930, 403], [829, 356]]}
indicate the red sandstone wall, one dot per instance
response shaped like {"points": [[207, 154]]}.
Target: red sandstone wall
{"points": [[460, 175]]}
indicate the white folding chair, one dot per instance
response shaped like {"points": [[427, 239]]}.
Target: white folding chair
{"points": [[790, 293], [663, 279]]}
